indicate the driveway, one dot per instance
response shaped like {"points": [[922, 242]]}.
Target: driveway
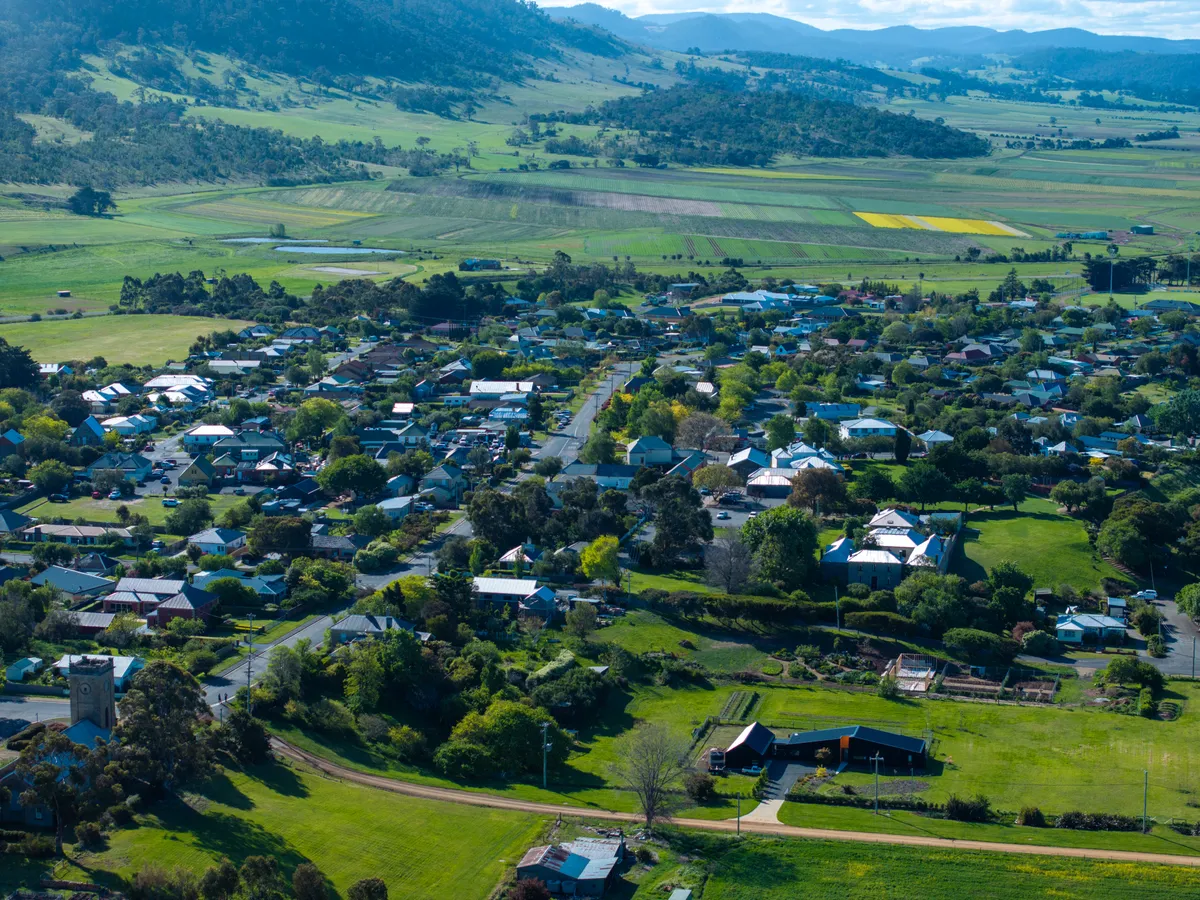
{"points": [[1181, 637]]}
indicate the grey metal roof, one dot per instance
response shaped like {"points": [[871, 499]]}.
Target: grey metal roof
{"points": [[862, 733]]}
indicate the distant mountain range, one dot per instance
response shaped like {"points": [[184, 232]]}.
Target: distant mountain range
{"points": [[900, 45]]}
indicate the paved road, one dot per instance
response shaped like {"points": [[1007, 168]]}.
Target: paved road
{"points": [[1182, 639], [471, 798], [18, 710], [230, 681]]}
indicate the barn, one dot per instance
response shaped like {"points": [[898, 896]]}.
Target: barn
{"points": [[854, 744], [751, 747]]}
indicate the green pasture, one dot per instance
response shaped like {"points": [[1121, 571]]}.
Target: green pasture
{"points": [[119, 339]]}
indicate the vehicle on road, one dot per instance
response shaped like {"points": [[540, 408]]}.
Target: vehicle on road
{"points": [[1146, 595]]}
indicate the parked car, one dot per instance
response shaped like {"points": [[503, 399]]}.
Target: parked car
{"points": [[753, 515], [164, 480], [157, 545], [58, 498], [240, 491], [1146, 595], [114, 494], [723, 514], [96, 495], [170, 501], [752, 770]]}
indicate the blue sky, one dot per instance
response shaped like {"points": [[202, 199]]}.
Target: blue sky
{"points": [[1162, 18]]}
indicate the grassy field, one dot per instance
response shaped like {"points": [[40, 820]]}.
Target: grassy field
{"points": [[119, 339], [992, 537], [104, 511], [759, 868], [296, 816]]}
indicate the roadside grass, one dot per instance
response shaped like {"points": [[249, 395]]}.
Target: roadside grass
{"points": [[119, 339], [676, 580], [762, 868], [348, 831], [1161, 838]]}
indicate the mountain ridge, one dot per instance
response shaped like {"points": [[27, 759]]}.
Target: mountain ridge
{"points": [[894, 45]]}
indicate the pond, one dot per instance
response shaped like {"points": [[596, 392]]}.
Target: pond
{"points": [[337, 251]]}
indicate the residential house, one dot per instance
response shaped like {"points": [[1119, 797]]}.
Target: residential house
{"points": [[219, 541], [200, 472], [123, 667], [130, 426], [585, 867], [879, 569], [95, 563], [131, 465], [341, 547], [606, 475], [10, 442], [932, 438], [521, 593], [445, 484], [494, 390], [649, 450], [748, 461], [833, 412], [397, 508], [271, 588], [205, 436], [1080, 628], [75, 584], [22, 668], [88, 433], [11, 522], [356, 628], [865, 428], [77, 535]]}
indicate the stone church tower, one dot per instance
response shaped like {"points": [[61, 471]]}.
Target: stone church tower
{"points": [[93, 695]]}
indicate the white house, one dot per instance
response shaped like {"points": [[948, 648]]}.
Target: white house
{"points": [[397, 507], [30, 665], [649, 450], [1080, 627], [206, 435], [124, 667], [932, 438], [219, 541], [127, 426], [865, 428]]}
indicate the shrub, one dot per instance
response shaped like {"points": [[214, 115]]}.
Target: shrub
{"points": [[1147, 620], [372, 728], [772, 667], [808, 652], [980, 646], [201, 661], [644, 856], [1147, 705], [1129, 670], [889, 688], [799, 670], [1081, 821], [1031, 817], [1156, 646], [881, 622], [978, 809], [408, 743], [332, 717], [462, 761], [700, 786], [760, 785], [37, 846], [1039, 643], [89, 834]]}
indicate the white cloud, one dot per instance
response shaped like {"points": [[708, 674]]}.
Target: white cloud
{"points": [[1161, 18]]}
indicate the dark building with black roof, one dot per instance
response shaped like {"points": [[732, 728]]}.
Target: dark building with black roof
{"points": [[850, 744]]}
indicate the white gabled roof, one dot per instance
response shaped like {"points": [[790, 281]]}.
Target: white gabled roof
{"points": [[876, 557], [515, 587], [867, 423]]}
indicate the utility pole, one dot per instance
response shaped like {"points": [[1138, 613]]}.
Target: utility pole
{"points": [[876, 759], [739, 815], [545, 751], [249, 666], [837, 605], [1145, 796], [1193, 657]]}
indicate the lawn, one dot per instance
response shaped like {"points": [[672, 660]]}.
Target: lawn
{"points": [[119, 339], [758, 868], [348, 831], [1053, 549], [104, 511]]}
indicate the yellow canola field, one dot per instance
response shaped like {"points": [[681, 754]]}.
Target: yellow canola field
{"points": [[940, 223]]}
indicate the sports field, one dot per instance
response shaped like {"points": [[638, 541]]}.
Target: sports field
{"points": [[119, 339]]}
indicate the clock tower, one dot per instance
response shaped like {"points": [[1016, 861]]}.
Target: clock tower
{"points": [[93, 694]]}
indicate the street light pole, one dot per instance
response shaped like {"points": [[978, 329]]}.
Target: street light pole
{"points": [[1145, 796], [876, 759], [545, 751], [249, 666]]}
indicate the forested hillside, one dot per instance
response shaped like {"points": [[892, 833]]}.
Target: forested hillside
{"points": [[461, 42], [1174, 79], [707, 124]]}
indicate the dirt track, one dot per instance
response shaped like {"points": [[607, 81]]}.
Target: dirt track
{"points": [[450, 795]]}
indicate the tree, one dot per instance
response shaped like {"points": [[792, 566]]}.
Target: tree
{"points": [[1015, 488], [720, 480], [1187, 598], [220, 882], [288, 535], [308, 883], [728, 563], [260, 878], [873, 484], [189, 517], [368, 889], [71, 407], [784, 543], [52, 476], [372, 521], [781, 431], [358, 474], [818, 488], [89, 202], [529, 889], [599, 449], [581, 620], [52, 767], [599, 560], [548, 466], [17, 368], [652, 759], [160, 732], [313, 419], [681, 524], [903, 445], [703, 431], [922, 483]]}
